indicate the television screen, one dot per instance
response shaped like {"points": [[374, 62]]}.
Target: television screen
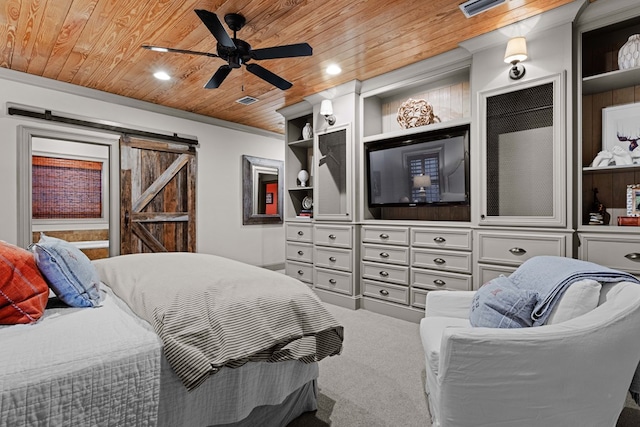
{"points": [[430, 168]]}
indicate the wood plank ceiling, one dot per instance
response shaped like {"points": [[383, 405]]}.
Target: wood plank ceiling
{"points": [[96, 44]]}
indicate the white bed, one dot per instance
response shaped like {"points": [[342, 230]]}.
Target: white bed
{"points": [[107, 366]]}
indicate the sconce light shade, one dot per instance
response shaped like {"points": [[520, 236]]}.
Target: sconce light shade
{"points": [[516, 52], [326, 109], [421, 181]]}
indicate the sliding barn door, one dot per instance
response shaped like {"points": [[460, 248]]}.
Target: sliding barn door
{"points": [[158, 196]]}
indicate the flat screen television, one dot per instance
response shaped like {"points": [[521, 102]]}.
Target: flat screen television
{"points": [[431, 168]]}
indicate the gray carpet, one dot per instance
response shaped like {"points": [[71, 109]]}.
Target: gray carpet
{"points": [[378, 380]]}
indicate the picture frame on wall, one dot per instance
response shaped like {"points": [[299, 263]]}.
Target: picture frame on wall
{"points": [[621, 127], [269, 198], [633, 200]]}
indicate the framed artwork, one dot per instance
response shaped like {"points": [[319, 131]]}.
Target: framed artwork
{"points": [[621, 127], [269, 198], [633, 200]]}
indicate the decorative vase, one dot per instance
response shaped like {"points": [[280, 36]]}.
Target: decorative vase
{"points": [[303, 176], [629, 53], [307, 131]]}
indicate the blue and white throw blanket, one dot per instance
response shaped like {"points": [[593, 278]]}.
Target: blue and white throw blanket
{"points": [[550, 276]]}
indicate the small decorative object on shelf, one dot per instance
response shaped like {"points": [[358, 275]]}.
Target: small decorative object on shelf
{"points": [[633, 200], [629, 220], [416, 112], [307, 131], [598, 214], [303, 176], [629, 53]]}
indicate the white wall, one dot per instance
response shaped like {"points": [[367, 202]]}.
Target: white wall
{"points": [[219, 180]]}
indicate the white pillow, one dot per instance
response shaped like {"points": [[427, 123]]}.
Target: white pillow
{"points": [[580, 297]]}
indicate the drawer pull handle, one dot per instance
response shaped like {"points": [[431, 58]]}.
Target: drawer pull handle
{"points": [[332, 281], [517, 251], [439, 282], [300, 233], [439, 261], [633, 256], [384, 273], [384, 292], [384, 255], [384, 236], [332, 236], [332, 259], [300, 272], [300, 253], [439, 239]]}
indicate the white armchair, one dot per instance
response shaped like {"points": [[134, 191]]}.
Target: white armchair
{"points": [[574, 373]]}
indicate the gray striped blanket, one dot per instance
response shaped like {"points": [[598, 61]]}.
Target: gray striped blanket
{"points": [[212, 312]]}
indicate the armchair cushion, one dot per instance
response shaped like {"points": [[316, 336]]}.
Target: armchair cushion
{"points": [[579, 298], [500, 304]]}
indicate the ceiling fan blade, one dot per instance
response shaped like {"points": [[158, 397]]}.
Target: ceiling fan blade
{"points": [[285, 51], [172, 50], [218, 77], [268, 76], [215, 26]]}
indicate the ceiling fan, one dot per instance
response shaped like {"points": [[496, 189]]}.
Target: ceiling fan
{"points": [[237, 52]]}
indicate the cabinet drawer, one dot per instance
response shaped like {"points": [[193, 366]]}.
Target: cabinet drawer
{"points": [[386, 272], [300, 233], [441, 238], [331, 280], [386, 235], [488, 272], [619, 252], [300, 271], [333, 235], [339, 259], [300, 251], [516, 248], [441, 260], [387, 254], [386, 291], [419, 297], [429, 279]]}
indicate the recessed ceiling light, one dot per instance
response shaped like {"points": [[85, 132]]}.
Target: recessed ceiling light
{"points": [[161, 75], [334, 69]]}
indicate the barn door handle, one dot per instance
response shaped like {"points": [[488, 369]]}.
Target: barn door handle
{"points": [[126, 218]]}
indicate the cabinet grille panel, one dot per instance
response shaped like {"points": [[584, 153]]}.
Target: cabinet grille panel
{"points": [[520, 152]]}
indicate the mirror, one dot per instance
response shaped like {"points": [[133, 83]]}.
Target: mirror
{"points": [[262, 190]]}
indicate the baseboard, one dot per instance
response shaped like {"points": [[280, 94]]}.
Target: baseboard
{"points": [[409, 314], [346, 301]]}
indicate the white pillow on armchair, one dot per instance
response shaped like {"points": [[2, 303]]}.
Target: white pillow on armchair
{"points": [[580, 298]]}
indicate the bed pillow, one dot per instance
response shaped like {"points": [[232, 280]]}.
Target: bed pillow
{"points": [[500, 304], [580, 298], [68, 271], [23, 291]]}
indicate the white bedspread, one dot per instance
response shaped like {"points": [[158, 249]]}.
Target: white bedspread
{"points": [[52, 375]]}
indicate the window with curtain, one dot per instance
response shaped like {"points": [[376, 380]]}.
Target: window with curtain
{"points": [[65, 188], [425, 164]]}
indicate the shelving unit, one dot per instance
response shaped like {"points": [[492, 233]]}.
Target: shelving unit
{"points": [[299, 154], [603, 85]]}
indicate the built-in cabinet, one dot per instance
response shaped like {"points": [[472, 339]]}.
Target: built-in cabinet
{"points": [[532, 188], [321, 241], [601, 85]]}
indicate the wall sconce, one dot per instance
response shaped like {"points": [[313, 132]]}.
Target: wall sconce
{"points": [[326, 109], [516, 53], [421, 181]]}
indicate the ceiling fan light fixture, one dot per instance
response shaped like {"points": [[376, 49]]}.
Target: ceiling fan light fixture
{"points": [[161, 75]]}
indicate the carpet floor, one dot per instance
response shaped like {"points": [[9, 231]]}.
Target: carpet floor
{"points": [[378, 380]]}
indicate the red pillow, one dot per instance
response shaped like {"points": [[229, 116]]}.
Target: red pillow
{"points": [[23, 291]]}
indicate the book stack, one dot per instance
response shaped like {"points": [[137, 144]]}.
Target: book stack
{"points": [[596, 218], [305, 214]]}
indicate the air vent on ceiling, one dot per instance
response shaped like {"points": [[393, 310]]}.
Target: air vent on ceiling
{"points": [[247, 100], [473, 7]]}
